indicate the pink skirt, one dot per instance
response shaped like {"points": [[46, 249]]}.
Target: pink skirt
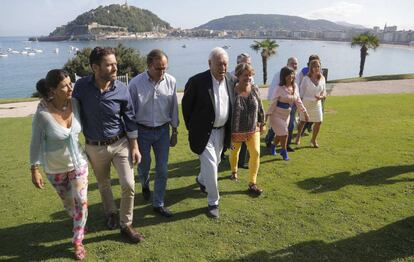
{"points": [[279, 121]]}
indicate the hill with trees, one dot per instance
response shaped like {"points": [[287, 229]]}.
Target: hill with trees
{"points": [[112, 18], [270, 22]]}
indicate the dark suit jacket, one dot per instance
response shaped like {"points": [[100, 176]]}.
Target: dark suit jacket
{"points": [[198, 109]]}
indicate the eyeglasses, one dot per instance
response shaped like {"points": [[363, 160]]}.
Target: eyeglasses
{"points": [[160, 68]]}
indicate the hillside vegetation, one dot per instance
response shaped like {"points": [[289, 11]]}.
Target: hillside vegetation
{"points": [[270, 22]]}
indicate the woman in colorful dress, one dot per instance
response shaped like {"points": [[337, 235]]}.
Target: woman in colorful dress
{"points": [[55, 146], [247, 124], [284, 96]]}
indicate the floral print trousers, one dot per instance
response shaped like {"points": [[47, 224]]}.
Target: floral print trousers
{"points": [[72, 188]]}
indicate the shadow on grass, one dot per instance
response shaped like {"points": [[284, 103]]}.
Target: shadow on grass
{"points": [[145, 216], [392, 242], [179, 169], [372, 177], [35, 241]]}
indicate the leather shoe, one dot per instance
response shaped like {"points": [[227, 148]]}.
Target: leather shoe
{"points": [[213, 211], [289, 149], [146, 193], [202, 187], [112, 221], [130, 233], [163, 211]]}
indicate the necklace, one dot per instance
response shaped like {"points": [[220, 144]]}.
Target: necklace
{"points": [[64, 107]]}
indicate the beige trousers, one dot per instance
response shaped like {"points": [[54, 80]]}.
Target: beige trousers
{"points": [[101, 158]]}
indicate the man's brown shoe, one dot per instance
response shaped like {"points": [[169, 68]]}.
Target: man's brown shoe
{"points": [[131, 234]]}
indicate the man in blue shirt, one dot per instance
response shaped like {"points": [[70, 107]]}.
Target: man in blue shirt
{"points": [[107, 116], [154, 95]]}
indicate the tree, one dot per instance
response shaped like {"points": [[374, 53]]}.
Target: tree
{"points": [[267, 48], [365, 41], [129, 62]]}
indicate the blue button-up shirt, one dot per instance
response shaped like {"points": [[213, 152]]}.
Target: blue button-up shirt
{"points": [[105, 114], [155, 104]]}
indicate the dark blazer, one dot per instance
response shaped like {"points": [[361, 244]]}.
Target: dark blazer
{"points": [[198, 110]]}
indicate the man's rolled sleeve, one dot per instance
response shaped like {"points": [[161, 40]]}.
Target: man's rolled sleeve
{"points": [[174, 111], [128, 116]]}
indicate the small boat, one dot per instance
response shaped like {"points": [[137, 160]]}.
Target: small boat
{"points": [[3, 55], [15, 52], [226, 46], [23, 52], [38, 50], [183, 46], [31, 54]]}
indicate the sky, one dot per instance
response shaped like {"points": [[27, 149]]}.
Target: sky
{"points": [[40, 17]]}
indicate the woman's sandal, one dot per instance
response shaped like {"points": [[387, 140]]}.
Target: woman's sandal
{"points": [[234, 177], [253, 188], [314, 144], [80, 252]]}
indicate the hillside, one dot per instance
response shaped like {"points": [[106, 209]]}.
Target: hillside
{"points": [[127, 18], [270, 22]]}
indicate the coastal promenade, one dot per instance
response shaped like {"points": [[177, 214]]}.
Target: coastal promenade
{"points": [[24, 109]]}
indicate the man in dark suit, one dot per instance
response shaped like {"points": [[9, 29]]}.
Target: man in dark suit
{"points": [[207, 106]]}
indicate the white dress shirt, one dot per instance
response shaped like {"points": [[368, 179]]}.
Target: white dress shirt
{"points": [[221, 102]]}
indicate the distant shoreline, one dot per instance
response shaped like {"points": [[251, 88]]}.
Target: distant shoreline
{"points": [[391, 45], [405, 46]]}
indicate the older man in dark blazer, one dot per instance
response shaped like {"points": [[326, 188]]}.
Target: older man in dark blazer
{"points": [[207, 109]]}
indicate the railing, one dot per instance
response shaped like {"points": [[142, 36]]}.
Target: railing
{"points": [[122, 78]]}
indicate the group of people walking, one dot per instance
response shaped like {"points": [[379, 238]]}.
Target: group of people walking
{"points": [[290, 91], [121, 124]]}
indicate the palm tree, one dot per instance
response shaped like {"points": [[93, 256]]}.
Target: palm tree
{"points": [[267, 48], [365, 41]]}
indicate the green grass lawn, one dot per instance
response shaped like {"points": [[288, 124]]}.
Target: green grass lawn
{"points": [[350, 200], [16, 100], [373, 78]]}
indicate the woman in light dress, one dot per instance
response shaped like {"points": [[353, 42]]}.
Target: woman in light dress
{"points": [[284, 96], [312, 92], [55, 146]]}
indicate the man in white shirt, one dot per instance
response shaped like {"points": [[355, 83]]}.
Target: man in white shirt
{"points": [[154, 96], [292, 62], [207, 111]]}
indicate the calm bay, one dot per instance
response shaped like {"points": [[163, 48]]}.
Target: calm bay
{"points": [[19, 73]]}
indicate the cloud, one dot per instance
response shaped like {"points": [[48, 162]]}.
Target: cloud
{"points": [[341, 11]]}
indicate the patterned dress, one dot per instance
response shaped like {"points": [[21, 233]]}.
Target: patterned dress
{"points": [[247, 112]]}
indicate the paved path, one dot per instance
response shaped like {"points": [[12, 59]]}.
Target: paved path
{"points": [[23, 109]]}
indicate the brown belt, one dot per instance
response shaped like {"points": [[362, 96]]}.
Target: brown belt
{"points": [[105, 142]]}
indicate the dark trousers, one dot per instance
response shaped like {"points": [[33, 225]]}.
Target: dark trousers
{"points": [[269, 136], [291, 124], [243, 156]]}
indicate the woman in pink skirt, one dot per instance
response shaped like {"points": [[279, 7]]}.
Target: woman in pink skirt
{"points": [[284, 96]]}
